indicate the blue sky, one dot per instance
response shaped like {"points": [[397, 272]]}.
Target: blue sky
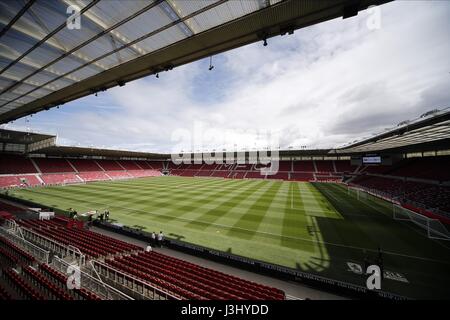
{"points": [[321, 87]]}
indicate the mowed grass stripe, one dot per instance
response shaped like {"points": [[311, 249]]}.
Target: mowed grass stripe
{"points": [[174, 207], [273, 219], [233, 209], [223, 208], [138, 207], [254, 215], [294, 220], [134, 196], [155, 188], [188, 209]]}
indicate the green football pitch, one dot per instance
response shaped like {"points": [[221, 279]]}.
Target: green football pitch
{"points": [[317, 228]]}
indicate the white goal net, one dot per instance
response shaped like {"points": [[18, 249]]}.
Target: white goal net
{"points": [[357, 193], [434, 228]]}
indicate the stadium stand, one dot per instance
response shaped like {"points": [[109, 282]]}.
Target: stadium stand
{"points": [[324, 166], [118, 175], [129, 165], [9, 181], [422, 195], [15, 164], [197, 282], [51, 179], [85, 165], [29, 282], [158, 165], [49, 165], [93, 176], [90, 243], [344, 166], [51, 171], [303, 166], [389, 181], [109, 165]]}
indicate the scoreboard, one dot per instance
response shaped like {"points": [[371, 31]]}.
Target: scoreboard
{"points": [[371, 159]]}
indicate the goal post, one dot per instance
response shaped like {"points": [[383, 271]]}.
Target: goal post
{"points": [[357, 193], [70, 181], [434, 228]]}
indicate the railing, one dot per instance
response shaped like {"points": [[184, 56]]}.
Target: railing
{"points": [[138, 288], [54, 246], [40, 254], [90, 283]]}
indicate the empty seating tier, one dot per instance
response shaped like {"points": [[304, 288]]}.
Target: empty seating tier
{"points": [[90, 243], [14, 164], [191, 281], [49, 165]]}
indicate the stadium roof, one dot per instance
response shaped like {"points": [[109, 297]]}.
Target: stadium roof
{"points": [[43, 63], [67, 151], [430, 131], [18, 137]]}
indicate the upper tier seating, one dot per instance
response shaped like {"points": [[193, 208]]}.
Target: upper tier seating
{"points": [[158, 165], [14, 164], [431, 168], [85, 165], [285, 166], [344, 166], [324, 166], [375, 169], [109, 165], [143, 164], [49, 165], [304, 166], [129, 165]]}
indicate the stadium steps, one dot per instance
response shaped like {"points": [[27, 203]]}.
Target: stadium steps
{"points": [[35, 165]]}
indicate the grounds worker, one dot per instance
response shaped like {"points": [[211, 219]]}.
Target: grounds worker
{"points": [[160, 238], [153, 238]]}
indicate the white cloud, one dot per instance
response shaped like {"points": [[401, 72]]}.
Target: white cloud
{"points": [[323, 86]]}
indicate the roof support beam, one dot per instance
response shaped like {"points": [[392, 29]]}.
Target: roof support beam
{"points": [[43, 40], [103, 26], [17, 17], [84, 44], [52, 43]]}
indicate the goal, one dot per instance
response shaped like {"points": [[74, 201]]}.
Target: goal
{"points": [[71, 181], [357, 193], [434, 228]]}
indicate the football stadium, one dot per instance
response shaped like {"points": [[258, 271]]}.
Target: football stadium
{"points": [[365, 219]]}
